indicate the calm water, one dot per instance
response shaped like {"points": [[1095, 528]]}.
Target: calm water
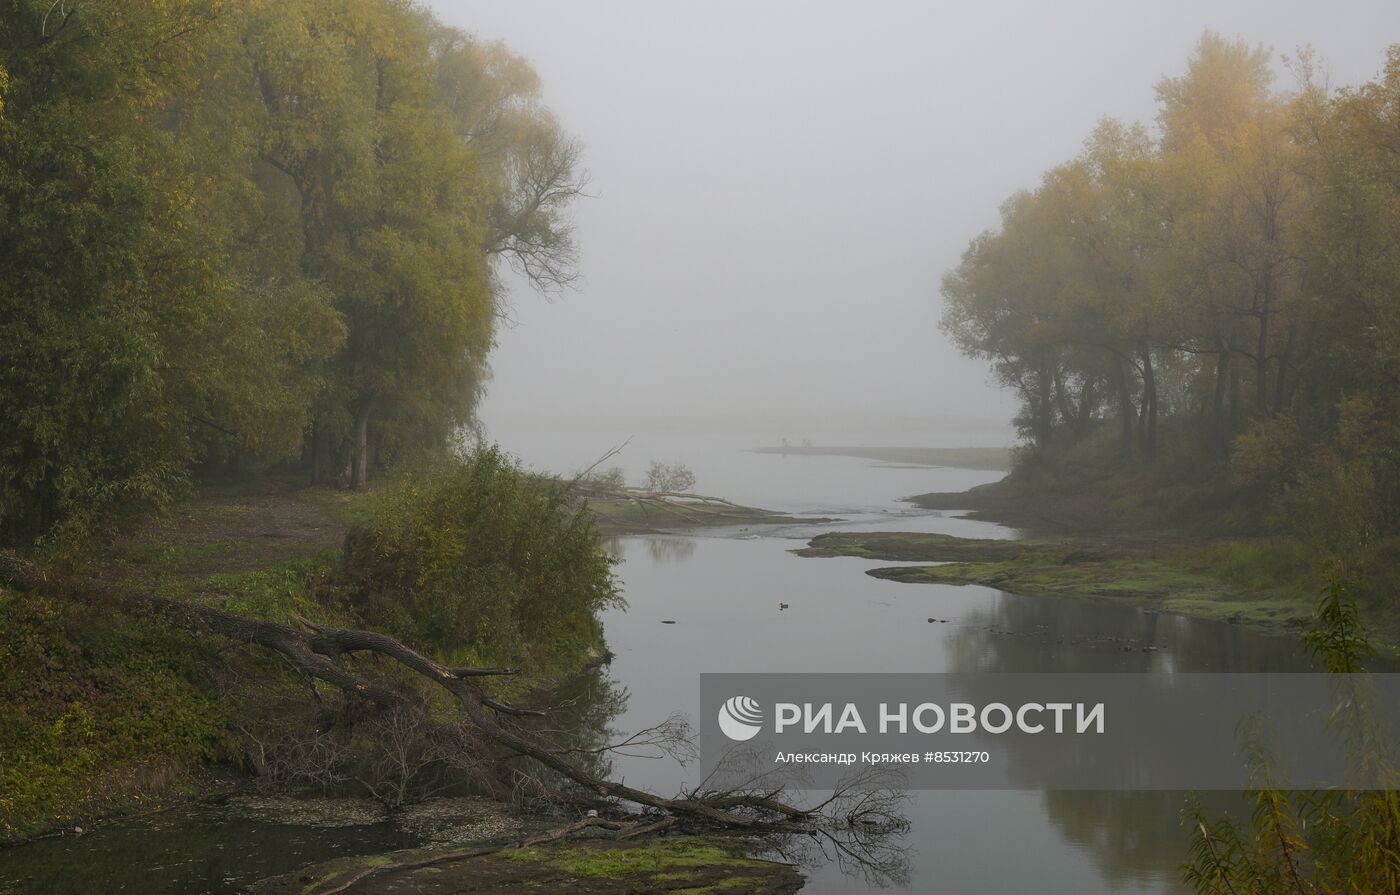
{"points": [[184, 852], [722, 589]]}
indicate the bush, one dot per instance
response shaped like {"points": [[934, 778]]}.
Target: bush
{"points": [[661, 477], [481, 562]]}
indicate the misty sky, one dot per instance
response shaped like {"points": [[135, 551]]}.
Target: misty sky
{"points": [[779, 186]]}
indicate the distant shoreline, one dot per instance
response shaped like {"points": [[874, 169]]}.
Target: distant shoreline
{"points": [[994, 458]]}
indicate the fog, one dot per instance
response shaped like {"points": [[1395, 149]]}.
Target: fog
{"points": [[777, 189]]}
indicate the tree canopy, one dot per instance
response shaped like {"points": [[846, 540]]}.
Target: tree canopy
{"points": [[1224, 285], [255, 233]]}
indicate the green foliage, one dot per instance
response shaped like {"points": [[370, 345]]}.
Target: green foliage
{"points": [[1305, 842], [98, 711], [1221, 298], [127, 323], [1338, 639], [662, 855], [483, 562], [277, 593], [243, 234]]}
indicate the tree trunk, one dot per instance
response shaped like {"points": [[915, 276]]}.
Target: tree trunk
{"points": [[1218, 425], [1125, 407], [1149, 404], [1261, 356], [318, 651], [360, 479], [1236, 398], [1042, 408], [320, 455], [1284, 358], [1086, 404], [1067, 412], [1216, 410]]}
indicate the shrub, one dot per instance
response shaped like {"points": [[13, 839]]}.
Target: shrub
{"points": [[481, 562], [661, 477]]}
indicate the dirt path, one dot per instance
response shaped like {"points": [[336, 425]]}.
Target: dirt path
{"points": [[231, 530]]}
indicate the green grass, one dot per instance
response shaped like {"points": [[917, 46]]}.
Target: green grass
{"points": [[1261, 581], [276, 593], [725, 885], [105, 713], [667, 857], [912, 546], [102, 711], [690, 865], [1167, 585], [99, 712]]}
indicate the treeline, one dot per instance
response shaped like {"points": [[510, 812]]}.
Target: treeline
{"points": [[239, 234], [1221, 291]]}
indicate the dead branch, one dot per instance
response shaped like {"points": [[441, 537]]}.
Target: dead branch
{"points": [[416, 864], [316, 650], [608, 455]]}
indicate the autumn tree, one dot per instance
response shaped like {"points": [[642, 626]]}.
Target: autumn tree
{"points": [[244, 234], [130, 338], [1229, 278], [417, 157]]}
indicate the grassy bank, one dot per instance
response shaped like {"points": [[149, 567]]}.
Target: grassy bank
{"points": [[105, 712], [677, 865], [1248, 550], [621, 516], [1268, 582]]}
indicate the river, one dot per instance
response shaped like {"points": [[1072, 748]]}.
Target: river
{"points": [[722, 590]]}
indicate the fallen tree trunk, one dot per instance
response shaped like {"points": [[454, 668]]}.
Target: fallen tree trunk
{"points": [[317, 651], [314, 648]]}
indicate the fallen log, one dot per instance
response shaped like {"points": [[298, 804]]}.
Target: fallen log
{"points": [[316, 650]]}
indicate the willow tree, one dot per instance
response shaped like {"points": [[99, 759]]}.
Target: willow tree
{"points": [[416, 158], [130, 342]]}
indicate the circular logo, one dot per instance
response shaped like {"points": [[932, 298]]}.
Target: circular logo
{"points": [[740, 718]]}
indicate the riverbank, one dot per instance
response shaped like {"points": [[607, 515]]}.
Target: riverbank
{"points": [[1264, 583], [1197, 525], [1173, 549], [617, 516], [108, 715], [692, 865]]}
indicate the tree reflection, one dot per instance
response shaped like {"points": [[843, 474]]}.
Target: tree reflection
{"points": [[673, 551], [1134, 837]]}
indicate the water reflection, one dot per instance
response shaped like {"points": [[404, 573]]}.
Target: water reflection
{"points": [[580, 721], [877, 857], [726, 604], [217, 849], [1007, 633], [185, 852], [670, 550], [1135, 838]]}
